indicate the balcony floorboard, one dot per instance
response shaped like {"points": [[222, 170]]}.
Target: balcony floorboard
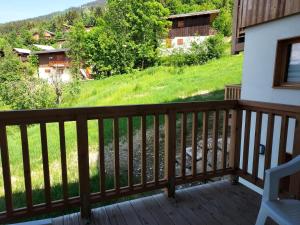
{"points": [[210, 204]]}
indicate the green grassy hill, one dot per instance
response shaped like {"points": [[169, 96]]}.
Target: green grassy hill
{"points": [[154, 85], [162, 84]]}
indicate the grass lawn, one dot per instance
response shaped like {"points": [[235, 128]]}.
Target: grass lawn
{"points": [[154, 85]]}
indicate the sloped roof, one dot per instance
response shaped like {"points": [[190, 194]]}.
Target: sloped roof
{"points": [[22, 51], [49, 32], [194, 14], [51, 51], [44, 47]]}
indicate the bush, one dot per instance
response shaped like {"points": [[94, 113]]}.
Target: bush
{"points": [[199, 54], [19, 88], [28, 94]]}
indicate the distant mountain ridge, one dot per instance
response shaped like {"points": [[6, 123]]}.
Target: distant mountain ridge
{"points": [[51, 15]]}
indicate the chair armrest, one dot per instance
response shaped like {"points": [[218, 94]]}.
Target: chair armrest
{"points": [[274, 175]]}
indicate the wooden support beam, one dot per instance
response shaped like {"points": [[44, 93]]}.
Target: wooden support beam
{"points": [[83, 166], [170, 151]]}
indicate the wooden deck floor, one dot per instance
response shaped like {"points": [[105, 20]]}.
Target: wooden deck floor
{"points": [[218, 203]]}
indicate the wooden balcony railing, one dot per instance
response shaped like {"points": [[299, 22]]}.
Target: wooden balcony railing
{"points": [[233, 92], [180, 123]]}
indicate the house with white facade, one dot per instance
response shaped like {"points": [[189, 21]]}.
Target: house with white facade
{"points": [[188, 28], [269, 34], [54, 63]]}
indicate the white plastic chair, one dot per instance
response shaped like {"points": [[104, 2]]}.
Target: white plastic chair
{"points": [[282, 211]]}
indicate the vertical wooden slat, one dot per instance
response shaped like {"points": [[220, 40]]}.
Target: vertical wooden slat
{"points": [[225, 138], [283, 140], [215, 140], [269, 142], [101, 155], [183, 145], [63, 160], [83, 166], [235, 136], [194, 143], [117, 154], [246, 141], [130, 152], [6, 168], [26, 165], [204, 141], [43, 131], [156, 148], [170, 152], [256, 144], [295, 179], [144, 168]]}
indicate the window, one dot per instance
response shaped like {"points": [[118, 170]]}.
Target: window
{"points": [[47, 71], [169, 43], [180, 23], [180, 41], [287, 69]]}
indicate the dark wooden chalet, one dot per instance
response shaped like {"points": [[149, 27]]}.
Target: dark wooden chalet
{"points": [[193, 24]]}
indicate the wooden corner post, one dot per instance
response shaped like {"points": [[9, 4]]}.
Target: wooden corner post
{"points": [[83, 166], [235, 143], [170, 152]]}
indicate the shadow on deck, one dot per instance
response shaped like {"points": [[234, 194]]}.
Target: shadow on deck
{"points": [[213, 203]]}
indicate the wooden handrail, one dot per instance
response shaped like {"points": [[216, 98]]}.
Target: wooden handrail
{"points": [[222, 123]]}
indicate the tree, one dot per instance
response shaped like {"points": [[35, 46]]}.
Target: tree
{"points": [[19, 88], [223, 23], [126, 37]]}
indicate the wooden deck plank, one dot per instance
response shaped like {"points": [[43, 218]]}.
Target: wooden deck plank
{"points": [[115, 216], [144, 215], [170, 207], [228, 202], [156, 211], [129, 213], [210, 204], [199, 213], [238, 203], [100, 217]]}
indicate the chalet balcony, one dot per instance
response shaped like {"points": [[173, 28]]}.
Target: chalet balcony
{"points": [[175, 145]]}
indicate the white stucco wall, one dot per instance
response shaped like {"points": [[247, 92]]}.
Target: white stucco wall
{"points": [[260, 53], [258, 73], [187, 43], [65, 77]]}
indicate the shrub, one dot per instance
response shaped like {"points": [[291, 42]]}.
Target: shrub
{"points": [[19, 88], [212, 48]]}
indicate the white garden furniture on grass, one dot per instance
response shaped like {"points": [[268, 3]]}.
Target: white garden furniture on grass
{"points": [[282, 211]]}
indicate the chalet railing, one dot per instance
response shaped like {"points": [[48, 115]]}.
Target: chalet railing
{"points": [[233, 92], [215, 149], [269, 133], [204, 30]]}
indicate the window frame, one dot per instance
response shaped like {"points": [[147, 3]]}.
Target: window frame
{"points": [[283, 54], [181, 23]]}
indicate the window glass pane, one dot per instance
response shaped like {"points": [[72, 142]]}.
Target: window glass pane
{"points": [[294, 66]]}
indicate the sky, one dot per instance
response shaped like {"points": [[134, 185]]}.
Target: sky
{"points": [[11, 10]]}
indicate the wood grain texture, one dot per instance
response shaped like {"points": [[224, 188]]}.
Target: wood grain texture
{"points": [[26, 165], [218, 203], [43, 130], [6, 168]]}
